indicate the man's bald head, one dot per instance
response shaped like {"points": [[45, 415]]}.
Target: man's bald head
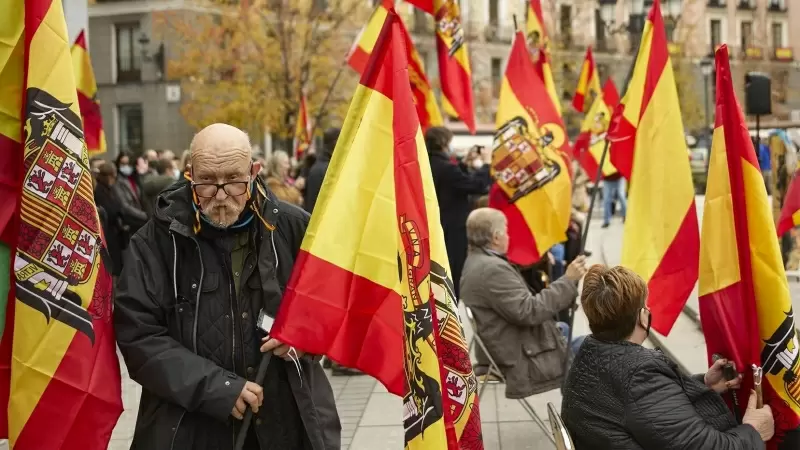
{"points": [[222, 154]]}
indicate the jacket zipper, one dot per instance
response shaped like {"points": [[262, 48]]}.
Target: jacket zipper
{"points": [[175, 434]]}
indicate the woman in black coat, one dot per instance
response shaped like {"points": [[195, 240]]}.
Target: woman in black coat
{"points": [[114, 229], [455, 188], [620, 395]]}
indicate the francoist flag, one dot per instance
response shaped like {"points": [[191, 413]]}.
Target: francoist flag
{"points": [[87, 97], [745, 305], [790, 213], [424, 97], [530, 162], [591, 141], [539, 46], [455, 74], [302, 130], [371, 286], [648, 141], [588, 81], [59, 374]]}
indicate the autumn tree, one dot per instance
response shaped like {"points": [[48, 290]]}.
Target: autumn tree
{"points": [[246, 63]]}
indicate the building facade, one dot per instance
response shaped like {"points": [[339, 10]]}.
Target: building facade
{"points": [[757, 32]]}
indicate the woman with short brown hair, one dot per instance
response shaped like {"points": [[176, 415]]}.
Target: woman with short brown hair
{"points": [[620, 395]]}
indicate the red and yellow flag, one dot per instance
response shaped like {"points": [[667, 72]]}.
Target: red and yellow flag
{"points": [[371, 286], [424, 97], [530, 162], [87, 97], [455, 74], [662, 248], [591, 141], [790, 213], [302, 130], [59, 372], [539, 46], [745, 304], [588, 81]]}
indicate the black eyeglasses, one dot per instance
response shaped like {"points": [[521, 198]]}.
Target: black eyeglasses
{"points": [[209, 190]]}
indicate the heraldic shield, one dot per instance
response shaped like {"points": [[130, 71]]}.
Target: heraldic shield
{"points": [[519, 162], [59, 237], [780, 354], [448, 22]]}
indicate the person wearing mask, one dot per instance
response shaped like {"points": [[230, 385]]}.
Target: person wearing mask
{"points": [[624, 396], [517, 326], [277, 179], [216, 256], [114, 229], [154, 184], [317, 173], [128, 190], [455, 190]]}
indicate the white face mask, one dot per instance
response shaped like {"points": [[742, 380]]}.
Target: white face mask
{"points": [[126, 170], [176, 174]]}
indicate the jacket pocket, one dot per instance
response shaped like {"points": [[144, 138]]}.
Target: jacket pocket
{"points": [[544, 350]]}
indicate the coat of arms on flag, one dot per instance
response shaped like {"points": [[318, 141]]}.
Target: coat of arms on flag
{"points": [[59, 230]]}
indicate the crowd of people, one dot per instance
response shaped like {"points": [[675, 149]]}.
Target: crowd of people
{"points": [[221, 228]]}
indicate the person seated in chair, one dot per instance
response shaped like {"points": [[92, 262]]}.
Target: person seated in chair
{"points": [[624, 396], [518, 327]]}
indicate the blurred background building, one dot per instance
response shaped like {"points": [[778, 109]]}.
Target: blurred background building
{"points": [[142, 106]]}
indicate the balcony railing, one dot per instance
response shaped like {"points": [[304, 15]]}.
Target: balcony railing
{"points": [[716, 3], [752, 52], [783, 54], [776, 6], [747, 4]]}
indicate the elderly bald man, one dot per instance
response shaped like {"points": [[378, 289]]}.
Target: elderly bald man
{"points": [[217, 253], [518, 327]]}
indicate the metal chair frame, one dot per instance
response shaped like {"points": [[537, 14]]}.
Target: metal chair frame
{"points": [[493, 367]]}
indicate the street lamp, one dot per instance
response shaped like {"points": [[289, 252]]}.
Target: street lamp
{"points": [[707, 68]]}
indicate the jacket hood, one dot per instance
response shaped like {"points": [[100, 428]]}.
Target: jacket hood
{"points": [[174, 207]]}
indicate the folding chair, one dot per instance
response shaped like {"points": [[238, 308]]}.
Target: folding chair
{"points": [[562, 438], [493, 367]]}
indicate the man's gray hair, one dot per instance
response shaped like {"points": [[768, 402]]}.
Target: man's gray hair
{"points": [[482, 225]]}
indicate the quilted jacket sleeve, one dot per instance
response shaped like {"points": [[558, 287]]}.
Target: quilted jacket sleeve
{"points": [[660, 416]]}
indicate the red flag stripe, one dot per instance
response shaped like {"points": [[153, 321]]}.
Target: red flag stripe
{"points": [[451, 75], [791, 205], [379, 327], [522, 242], [80, 41], [674, 278]]}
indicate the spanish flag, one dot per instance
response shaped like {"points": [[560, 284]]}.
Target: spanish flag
{"points": [[745, 305], [302, 130], [790, 212], [591, 141], [455, 74], [662, 248], [588, 81], [59, 373], [530, 162], [87, 97], [424, 97], [371, 286], [539, 46]]}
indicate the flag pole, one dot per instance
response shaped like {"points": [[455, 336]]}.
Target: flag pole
{"points": [[592, 202]]}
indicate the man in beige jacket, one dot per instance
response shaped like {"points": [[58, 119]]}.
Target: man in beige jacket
{"points": [[518, 327]]}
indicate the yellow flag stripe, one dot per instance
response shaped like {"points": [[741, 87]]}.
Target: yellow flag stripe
{"points": [[719, 257], [359, 188], [661, 180], [12, 44], [84, 75]]}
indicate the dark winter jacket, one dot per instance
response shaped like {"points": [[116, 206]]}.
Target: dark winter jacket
{"points": [[113, 226], [454, 190], [191, 341], [622, 396], [314, 181]]}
